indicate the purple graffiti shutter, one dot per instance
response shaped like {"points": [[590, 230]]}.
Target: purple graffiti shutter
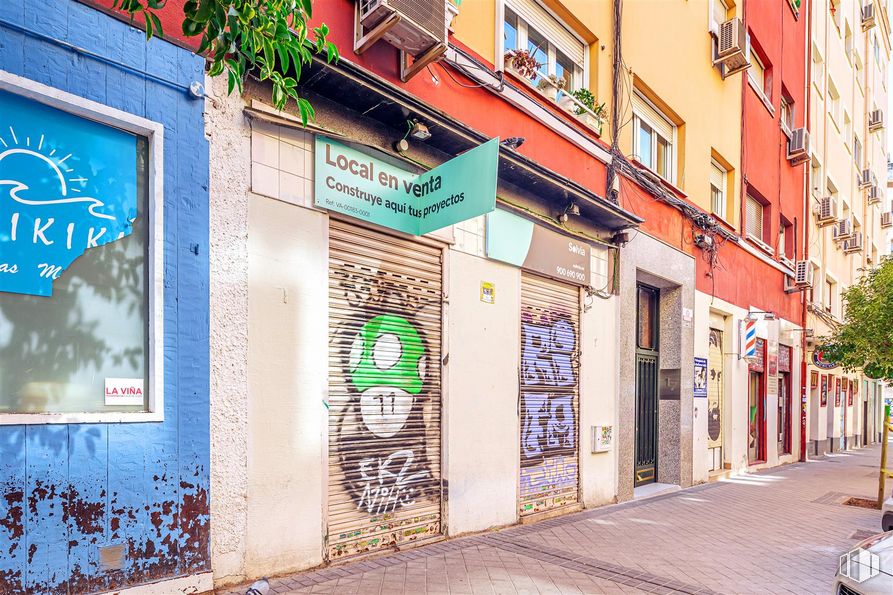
{"points": [[550, 432]]}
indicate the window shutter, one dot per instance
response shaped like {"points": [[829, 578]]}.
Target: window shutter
{"points": [[716, 177], [555, 31], [754, 218], [654, 118]]}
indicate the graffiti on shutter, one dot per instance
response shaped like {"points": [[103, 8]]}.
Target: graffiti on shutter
{"points": [[549, 408], [384, 391]]}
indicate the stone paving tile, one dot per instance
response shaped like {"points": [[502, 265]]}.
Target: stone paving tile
{"points": [[779, 531]]}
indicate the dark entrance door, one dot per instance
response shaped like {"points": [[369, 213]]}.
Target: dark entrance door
{"points": [[647, 361], [784, 413]]}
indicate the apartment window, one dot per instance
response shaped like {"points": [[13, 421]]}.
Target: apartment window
{"points": [[719, 14], [857, 153], [787, 113], [833, 103], [847, 130], [718, 185], [848, 41], [836, 13], [818, 70], [860, 72], [755, 224], [786, 239], [654, 137], [828, 296], [528, 26], [816, 176], [877, 51], [757, 72]]}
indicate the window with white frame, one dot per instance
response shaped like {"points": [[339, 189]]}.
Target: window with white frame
{"points": [[828, 294], [787, 113], [757, 72], [847, 130], [848, 41], [857, 153], [89, 344], [818, 70], [755, 223], [833, 103], [654, 138], [718, 182], [816, 176], [836, 12], [558, 51]]}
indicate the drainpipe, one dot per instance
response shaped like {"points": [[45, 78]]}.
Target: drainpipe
{"points": [[617, 64], [807, 197]]}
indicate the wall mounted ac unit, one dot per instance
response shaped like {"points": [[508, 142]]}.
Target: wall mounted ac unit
{"points": [[826, 210], [887, 219], [803, 273], [842, 230], [731, 44], [874, 194], [867, 178], [875, 120], [854, 244], [868, 19], [798, 146], [418, 28]]}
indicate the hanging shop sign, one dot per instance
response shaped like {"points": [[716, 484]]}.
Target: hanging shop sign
{"points": [[820, 361], [784, 358], [355, 183], [700, 388], [757, 363], [67, 184], [532, 247]]}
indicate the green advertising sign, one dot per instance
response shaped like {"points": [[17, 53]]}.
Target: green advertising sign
{"points": [[354, 183]]}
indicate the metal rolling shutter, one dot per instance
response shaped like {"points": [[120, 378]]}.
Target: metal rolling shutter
{"points": [[384, 457], [549, 399]]}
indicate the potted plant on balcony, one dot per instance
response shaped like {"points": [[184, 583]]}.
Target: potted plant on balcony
{"points": [[550, 86], [522, 63], [596, 119]]}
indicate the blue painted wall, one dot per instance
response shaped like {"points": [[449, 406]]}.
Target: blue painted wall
{"points": [[66, 490]]}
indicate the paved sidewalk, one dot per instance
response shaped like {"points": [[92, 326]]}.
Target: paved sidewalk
{"points": [[780, 531]]}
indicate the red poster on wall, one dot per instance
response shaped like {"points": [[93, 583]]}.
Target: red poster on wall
{"points": [[849, 400], [813, 379], [824, 402], [837, 393]]}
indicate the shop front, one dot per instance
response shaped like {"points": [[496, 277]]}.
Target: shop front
{"points": [[401, 361], [756, 405], [104, 413]]}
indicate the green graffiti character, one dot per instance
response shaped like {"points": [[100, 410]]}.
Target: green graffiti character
{"points": [[387, 367]]}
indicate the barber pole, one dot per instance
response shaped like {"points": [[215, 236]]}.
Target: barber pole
{"points": [[749, 339]]}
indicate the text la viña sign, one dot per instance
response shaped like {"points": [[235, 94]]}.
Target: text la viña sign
{"points": [[354, 183]]}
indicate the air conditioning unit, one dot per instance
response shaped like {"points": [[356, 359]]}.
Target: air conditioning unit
{"points": [[826, 210], [731, 44], [803, 273], [854, 244], [868, 20], [887, 219], [875, 120], [874, 194], [798, 146], [867, 178], [418, 28], [842, 230]]}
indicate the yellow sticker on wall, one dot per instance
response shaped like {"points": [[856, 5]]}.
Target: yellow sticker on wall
{"points": [[488, 292]]}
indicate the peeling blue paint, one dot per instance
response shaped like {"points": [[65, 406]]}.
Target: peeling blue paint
{"points": [[68, 490]]}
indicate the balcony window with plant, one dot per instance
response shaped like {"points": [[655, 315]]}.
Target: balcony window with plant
{"points": [[533, 35]]}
